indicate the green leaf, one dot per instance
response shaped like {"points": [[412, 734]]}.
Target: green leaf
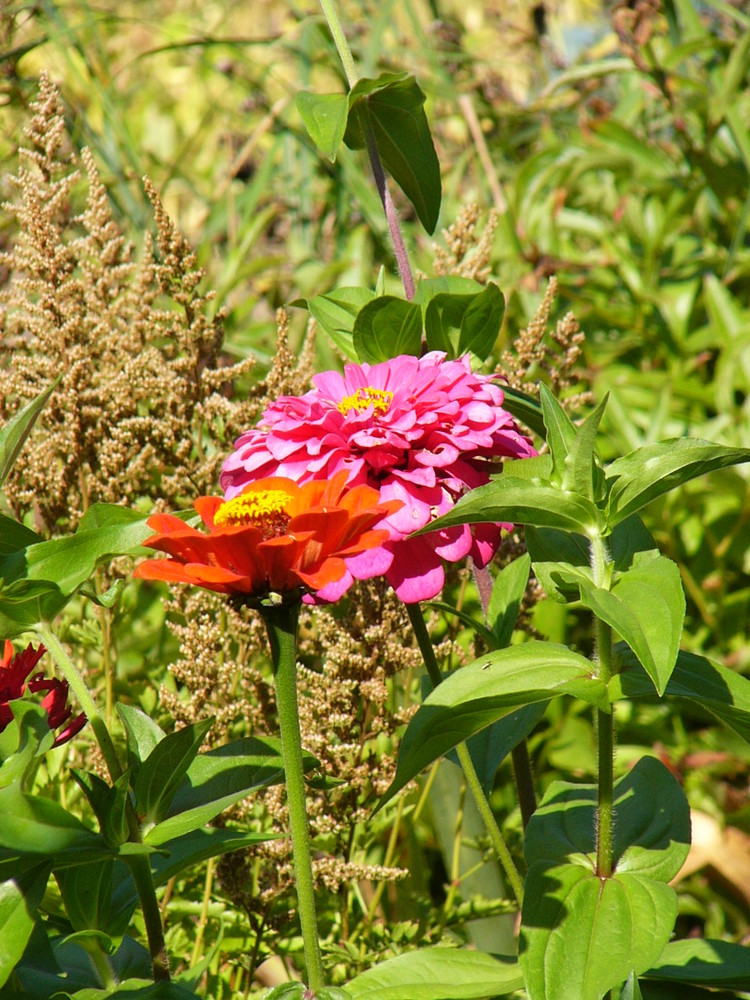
{"points": [[655, 469], [480, 326], [505, 602], [24, 738], [142, 732], [489, 689], [200, 845], [524, 408], [106, 530], [109, 804], [458, 324], [24, 603], [489, 747], [162, 771], [335, 313], [15, 536], [646, 607], [631, 989], [436, 974], [87, 894], [716, 689], [521, 501], [33, 825], [555, 553], [217, 779], [703, 962], [20, 899], [574, 460], [393, 106], [560, 436], [582, 935], [178, 856], [651, 828], [325, 117], [15, 433], [386, 327], [446, 284], [585, 475], [287, 991]]}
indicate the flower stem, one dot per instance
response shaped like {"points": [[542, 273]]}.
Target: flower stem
{"points": [[475, 786], [281, 624], [138, 864], [391, 216], [601, 568]]}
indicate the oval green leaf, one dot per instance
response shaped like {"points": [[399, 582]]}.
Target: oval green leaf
{"points": [[386, 327], [393, 106], [489, 689], [651, 828], [325, 117], [723, 692], [646, 607], [437, 973], [705, 962], [582, 935]]}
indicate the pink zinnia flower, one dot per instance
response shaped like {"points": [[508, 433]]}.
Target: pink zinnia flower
{"points": [[420, 430], [14, 671]]}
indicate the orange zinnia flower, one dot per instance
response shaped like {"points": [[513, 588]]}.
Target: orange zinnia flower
{"points": [[275, 536]]}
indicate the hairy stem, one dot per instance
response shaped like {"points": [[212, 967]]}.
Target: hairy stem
{"points": [[472, 779], [140, 869], [601, 567], [281, 624]]}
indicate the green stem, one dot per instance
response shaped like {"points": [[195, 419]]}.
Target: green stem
{"points": [[340, 41], [82, 695], [602, 568], [281, 624], [140, 869], [138, 864], [391, 216], [475, 786]]}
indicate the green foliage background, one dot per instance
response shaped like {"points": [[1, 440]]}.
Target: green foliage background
{"points": [[618, 150]]}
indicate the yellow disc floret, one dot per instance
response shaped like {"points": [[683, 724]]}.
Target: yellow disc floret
{"points": [[378, 399], [265, 509]]}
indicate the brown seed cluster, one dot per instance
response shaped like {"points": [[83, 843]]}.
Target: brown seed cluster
{"points": [[552, 355], [143, 395], [467, 255]]}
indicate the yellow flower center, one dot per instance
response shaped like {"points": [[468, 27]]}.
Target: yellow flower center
{"points": [[378, 399], [265, 509]]}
